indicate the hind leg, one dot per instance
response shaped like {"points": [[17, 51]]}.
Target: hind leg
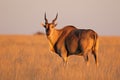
{"points": [[86, 59], [95, 57]]}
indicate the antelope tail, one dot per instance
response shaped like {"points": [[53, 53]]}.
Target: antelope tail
{"points": [[96, 44]]}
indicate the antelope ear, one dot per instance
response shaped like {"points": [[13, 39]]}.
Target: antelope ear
{"points": [[42, 25]]}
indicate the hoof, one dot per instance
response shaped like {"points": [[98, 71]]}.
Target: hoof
{"points": [[87, 63]]}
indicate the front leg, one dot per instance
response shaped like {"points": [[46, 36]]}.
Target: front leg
{"points": [[64, 54], [51, 49]]}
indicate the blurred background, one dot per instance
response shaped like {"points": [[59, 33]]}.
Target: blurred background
{"points": [[25, 16]]}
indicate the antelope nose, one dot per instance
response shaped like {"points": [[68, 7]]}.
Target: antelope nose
{"points": [[47, 32]]}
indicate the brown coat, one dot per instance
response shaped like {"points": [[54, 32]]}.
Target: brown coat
{"points": [[71, 41]]}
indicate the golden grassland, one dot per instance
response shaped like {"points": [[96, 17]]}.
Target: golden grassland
{"points": [[27, 57]]}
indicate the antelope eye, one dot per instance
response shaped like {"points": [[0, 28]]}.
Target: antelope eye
{"points": [[52, 26]]}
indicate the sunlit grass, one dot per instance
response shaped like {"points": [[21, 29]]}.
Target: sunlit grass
{"points": [[28, 58]]}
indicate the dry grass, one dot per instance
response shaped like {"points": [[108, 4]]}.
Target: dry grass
{"points": [[28, 58]]}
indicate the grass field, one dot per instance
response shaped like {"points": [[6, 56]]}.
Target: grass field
{"points": [[27, 57]]}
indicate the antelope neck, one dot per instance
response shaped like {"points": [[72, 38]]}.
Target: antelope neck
{"points": [[54, 36]]}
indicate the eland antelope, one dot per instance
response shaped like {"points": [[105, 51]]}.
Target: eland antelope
{"points": [[71, 41]]}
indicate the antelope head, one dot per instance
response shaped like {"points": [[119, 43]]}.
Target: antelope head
{"points": [[49, 27]]}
